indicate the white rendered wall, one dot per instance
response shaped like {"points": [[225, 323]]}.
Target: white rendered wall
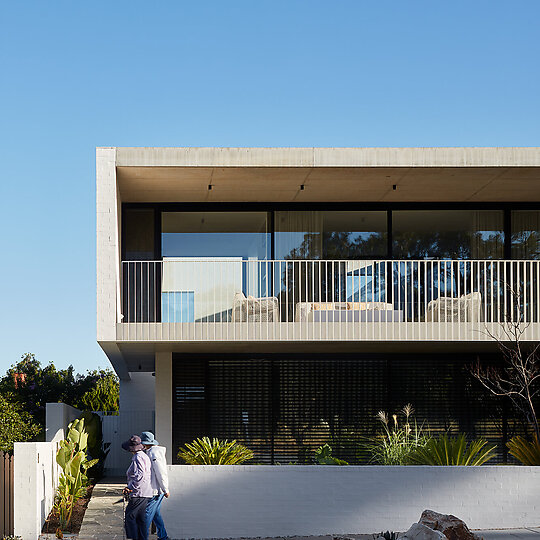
{"points": [[36, 473], [137, 394], [137, 412], [266, 501], [58, 417]]}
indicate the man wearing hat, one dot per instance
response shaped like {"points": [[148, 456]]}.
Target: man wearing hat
{"points": [[139, 490], [159, 481]]}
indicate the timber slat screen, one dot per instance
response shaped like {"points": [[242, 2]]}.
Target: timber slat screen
{"points": [[6, 494], [283, 408]]}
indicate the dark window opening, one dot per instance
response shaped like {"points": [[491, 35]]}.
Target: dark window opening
{"points": [[284, 407]]}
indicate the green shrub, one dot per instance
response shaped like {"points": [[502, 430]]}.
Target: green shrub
{"points": [[71, 457], [16, 425], [527, 452], [398, 440], [214, 452], [97, 449], [323, 456], [446, 450]]}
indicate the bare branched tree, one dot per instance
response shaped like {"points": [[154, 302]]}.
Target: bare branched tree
{"points": [[519, 376]]}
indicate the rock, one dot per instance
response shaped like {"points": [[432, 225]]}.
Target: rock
{"points": [[452, 527], [418, 531]]}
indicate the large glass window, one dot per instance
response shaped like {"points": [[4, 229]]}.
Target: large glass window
{"points": [[526, 234], [448, 234], [215, 234], [330, 235], [208, 258]]}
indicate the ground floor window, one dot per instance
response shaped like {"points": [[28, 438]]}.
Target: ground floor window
{"points": [[284, 407]]}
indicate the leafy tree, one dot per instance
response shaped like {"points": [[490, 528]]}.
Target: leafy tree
{"points": [[16, 425], [103, 394], [34, 386]]}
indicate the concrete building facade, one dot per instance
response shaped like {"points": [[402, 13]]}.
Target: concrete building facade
{"points": [[282, 296]]}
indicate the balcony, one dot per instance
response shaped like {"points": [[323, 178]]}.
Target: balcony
{"points": [[230, 299]]}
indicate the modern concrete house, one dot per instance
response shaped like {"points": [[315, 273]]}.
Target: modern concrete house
{"points": [[283, 296]]}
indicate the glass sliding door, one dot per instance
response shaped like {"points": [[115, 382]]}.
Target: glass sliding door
{"points": [[215, 234], [525, 234], [330, 235], [448, 234], [208, 259]]}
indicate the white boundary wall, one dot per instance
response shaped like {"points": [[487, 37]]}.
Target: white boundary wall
{"points": [[249, 501], [36, 474], [57, 417]]}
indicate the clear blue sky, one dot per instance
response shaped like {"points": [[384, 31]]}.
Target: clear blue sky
{"points": [[76, 75]]}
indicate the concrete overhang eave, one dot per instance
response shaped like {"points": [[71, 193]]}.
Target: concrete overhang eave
{"points": [[116, 358], [328, 174]]}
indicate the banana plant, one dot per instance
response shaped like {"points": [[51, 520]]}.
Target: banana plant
{"points": [[96, 448], [78, 435], [71, 457]]}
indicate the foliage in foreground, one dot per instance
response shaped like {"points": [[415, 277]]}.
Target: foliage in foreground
{"points": [[33, 386], [71, 457], [446, 450], [16, 425], [97, 449], [204, 451], [527, 452], [397, 442], [323, 456]]}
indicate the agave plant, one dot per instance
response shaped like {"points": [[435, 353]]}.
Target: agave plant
{"points": [[528, 452], [446, 450], [214, 452]]}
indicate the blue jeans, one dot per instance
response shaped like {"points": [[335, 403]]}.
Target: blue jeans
{"points": [[153, 514], [135, 522]]}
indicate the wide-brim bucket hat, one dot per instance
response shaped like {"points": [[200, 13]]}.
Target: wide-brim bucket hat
{"points": [[147, 437], [133, 445]]}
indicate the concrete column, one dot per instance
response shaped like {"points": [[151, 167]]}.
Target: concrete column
{"points": [[164, 402], [108, 244]]}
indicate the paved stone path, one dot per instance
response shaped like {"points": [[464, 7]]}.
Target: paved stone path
{"points": [[104, 520], [104, 517]]}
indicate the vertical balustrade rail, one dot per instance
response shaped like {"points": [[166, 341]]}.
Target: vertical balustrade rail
{"points": [[235, 299]]}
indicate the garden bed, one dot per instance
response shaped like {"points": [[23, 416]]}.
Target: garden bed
{"points": [[52, 523]]}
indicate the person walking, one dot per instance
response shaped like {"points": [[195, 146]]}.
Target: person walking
{"points": [[139, 490], [159, 480]]}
